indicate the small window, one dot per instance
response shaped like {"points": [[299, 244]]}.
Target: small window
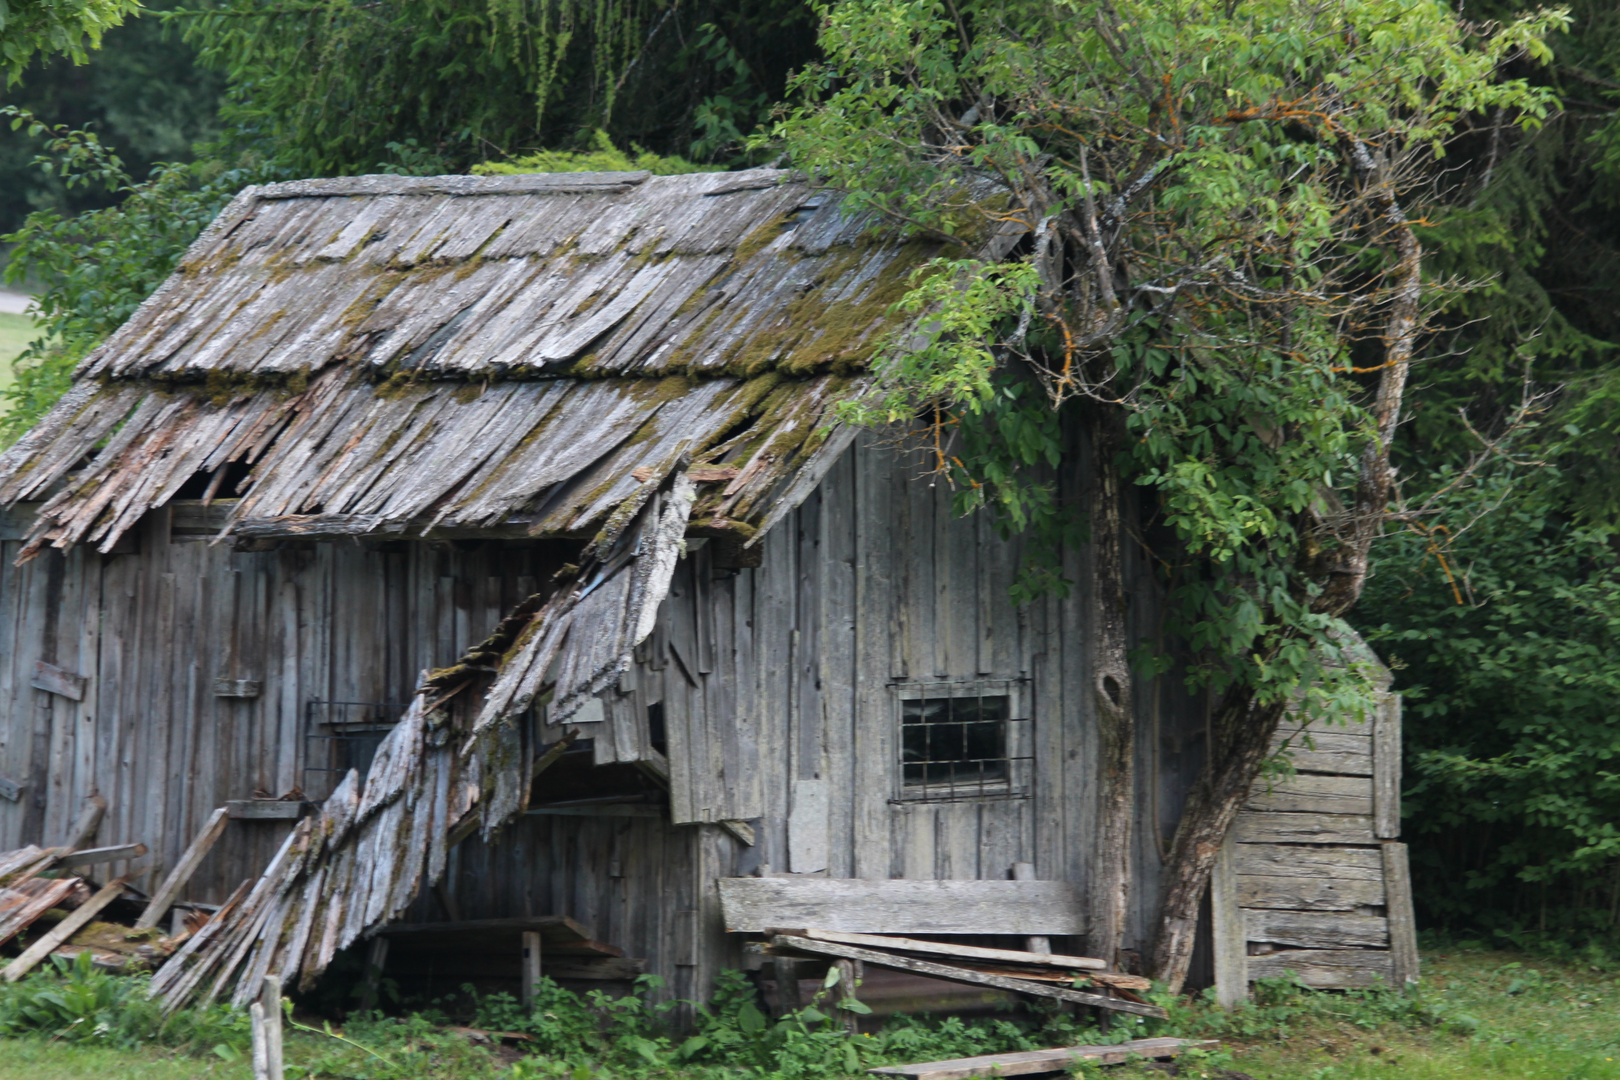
{"points": [[962, 741]]}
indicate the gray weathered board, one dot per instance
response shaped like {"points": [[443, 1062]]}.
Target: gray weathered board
{"points": [[902, 907], [1310, 881], [1029, 1062]]}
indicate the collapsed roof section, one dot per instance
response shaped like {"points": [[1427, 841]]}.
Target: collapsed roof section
{"points": [[395, 355]]}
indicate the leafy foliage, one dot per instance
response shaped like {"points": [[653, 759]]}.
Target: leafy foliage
{"points": [[100, 265], [66, 27], [469, 82]]}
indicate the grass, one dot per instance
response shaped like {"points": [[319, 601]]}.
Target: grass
{"points": [[15, 333], [1481, 1015]]}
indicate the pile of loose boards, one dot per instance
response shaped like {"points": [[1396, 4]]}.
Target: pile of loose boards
{"points": [[1077, 979]]}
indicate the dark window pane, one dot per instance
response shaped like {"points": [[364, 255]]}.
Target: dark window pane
{"points": [[954, 741]]}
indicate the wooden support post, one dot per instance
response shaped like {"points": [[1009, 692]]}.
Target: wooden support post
{"points": [[848, 976], [1403, 951], [189, 861], [1231, 937], [376, 957], [266, 1017], [531, 965], [1035, 943], [786, 970]]}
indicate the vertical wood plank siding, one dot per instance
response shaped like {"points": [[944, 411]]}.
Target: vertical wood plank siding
{"points": [[767, 676]]}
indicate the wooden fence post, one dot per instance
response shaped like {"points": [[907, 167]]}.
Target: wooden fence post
{"points": [[531, 965], [266, 1014]]}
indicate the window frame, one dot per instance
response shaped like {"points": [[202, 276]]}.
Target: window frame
{"points": [[1019, 782]]}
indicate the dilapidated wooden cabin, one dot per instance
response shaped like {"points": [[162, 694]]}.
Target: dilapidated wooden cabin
{"points": [[514, 511]]}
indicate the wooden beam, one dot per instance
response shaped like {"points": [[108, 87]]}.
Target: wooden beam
{"points": [[93, 856], [267, 809], [531, 965], [1387, 768], [956, 974], [965, 952], [63, 930], [901, 906], [1402, 927], [192, 858], [1270, 827], [1230, 937], [84, 829], [1024, 1063]]}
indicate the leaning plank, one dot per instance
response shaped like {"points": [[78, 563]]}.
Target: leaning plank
{"points": [[956, 974], [899, 906], [966, 952], [1112, 979], [94, 856], [1402, 928], [1327, 969], [1040, 1061], [84, 829], [65, 929], [165, 896]]}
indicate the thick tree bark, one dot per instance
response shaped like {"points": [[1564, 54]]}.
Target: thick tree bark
{"points": [[1111, 674], [1336, 560]]}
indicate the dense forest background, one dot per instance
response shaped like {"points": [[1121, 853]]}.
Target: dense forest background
{"points": [[1500, 613]]}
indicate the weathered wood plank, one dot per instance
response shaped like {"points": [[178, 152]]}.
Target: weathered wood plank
{"points": [[1316, 929], [1226, 924], [1260, 827], [1318, 894], [95, 856], [1312, 794], [59, 681], [855, 905], [1327, 968], [807, 827], [966, 952], [193, 856], [1027, 1062], [267, 809], [956, 974], [1298, 860], [1402, 925], [1387, 767]]}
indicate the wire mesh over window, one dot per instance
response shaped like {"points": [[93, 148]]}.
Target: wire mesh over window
{"points": [[962, 741], [343, 735]]}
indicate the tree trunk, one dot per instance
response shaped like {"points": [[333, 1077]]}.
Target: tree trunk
{"points": [[1241, 729], [1111, 694]]}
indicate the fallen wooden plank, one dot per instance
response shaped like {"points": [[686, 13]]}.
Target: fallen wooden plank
{"points": [[93, 856], [900, 906], [59, 681], [1112, 980], [63, 930], [957, 974], [1027, 1062], [943, 948], [19, 918], [84, 829], [165, 896]]}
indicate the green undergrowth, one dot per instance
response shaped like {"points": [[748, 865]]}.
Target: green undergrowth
{"points": [[1479, 1014]]}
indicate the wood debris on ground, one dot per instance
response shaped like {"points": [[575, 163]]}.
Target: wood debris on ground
{"points": [[1036, 974], [1031, 1062], [45, 911]]}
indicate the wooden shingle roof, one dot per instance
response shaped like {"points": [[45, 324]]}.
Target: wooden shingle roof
{"points": [[397, 354]]}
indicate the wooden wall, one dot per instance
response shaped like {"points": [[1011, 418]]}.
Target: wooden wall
{"points": [[776, 681]]}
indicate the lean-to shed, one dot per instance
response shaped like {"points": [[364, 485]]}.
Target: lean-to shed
{"points": [[514, 511]]}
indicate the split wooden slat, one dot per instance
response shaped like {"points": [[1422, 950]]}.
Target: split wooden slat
{"points": [[965, 952], [956, 974], [96, 856], [15, 919]]}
